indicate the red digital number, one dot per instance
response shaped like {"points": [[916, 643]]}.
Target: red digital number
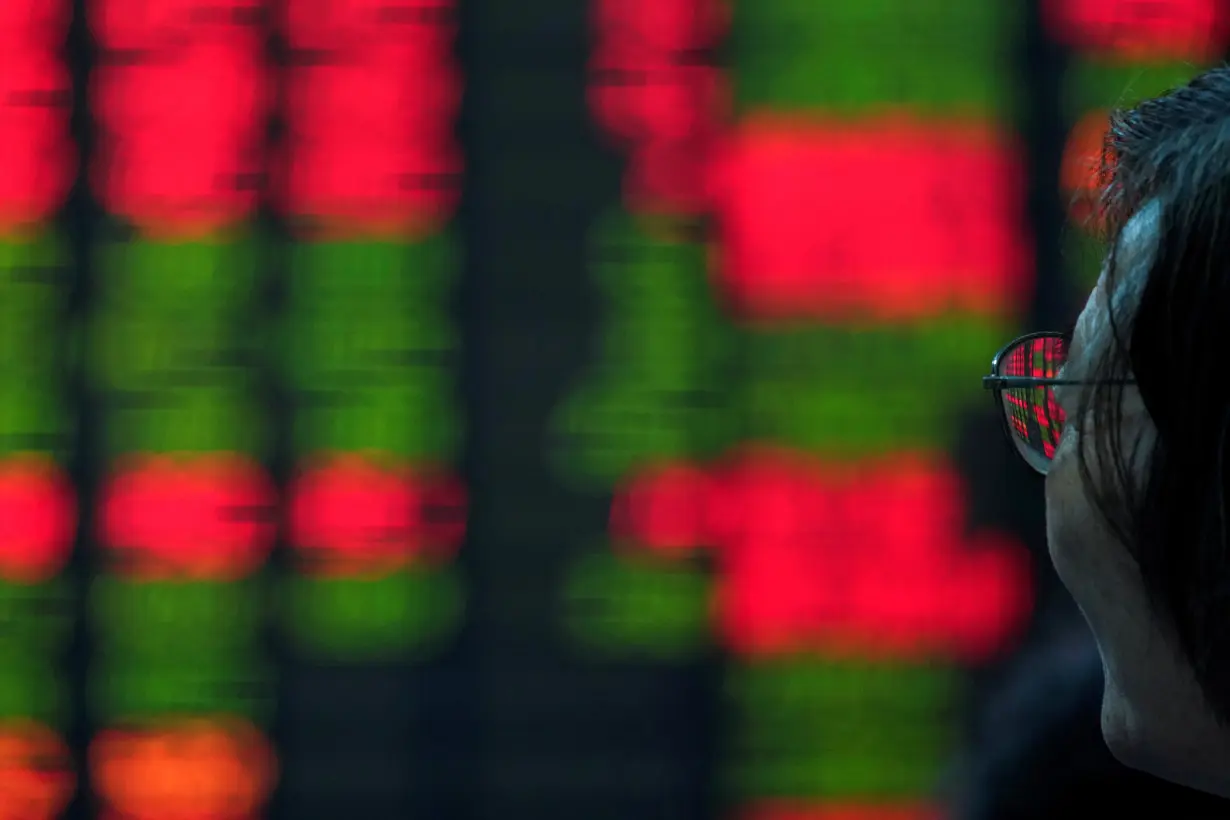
{"points": [[371, 146], [840, 811], [201, 517], [38, 519], [1142, 29], [352, 515], [890, 221], [814, 558], [342, 25], [182, 121], [655, 91], [37, 159]]}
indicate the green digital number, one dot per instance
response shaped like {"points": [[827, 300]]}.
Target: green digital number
{"points": [[121, 689], [206, 419], [145, 621], [361, 619], [418, 420], [944, 59], [340, 352], [33, 691], [34, 417], [141, 278], [335, 278], [840, 730], [618, 606], [852, 392], [603, 432], [35, 620], [657, 388]]}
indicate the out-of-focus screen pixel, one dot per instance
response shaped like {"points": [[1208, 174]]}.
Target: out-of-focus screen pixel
{"points": [[469, 409]]}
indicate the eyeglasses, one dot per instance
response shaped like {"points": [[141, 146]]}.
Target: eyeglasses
{"points": [[1023, 377]]}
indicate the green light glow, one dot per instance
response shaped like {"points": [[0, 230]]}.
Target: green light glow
{"points": [[852, 56], [35, 620], [628, 605], [124, 688], [148, 620], [839, 730], [33, 690], [358, 619]]}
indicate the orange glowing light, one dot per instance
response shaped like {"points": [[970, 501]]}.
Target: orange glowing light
{"points": [[1081, 173], [36, 773], [192, 770]]}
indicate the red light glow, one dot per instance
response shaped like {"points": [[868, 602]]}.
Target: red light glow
{"points": [[659, 98], [352, 515], [890, 220], [824, 558], [202, 517], [1141, 29], [182, 117], [38, 519], [36, 773], [37, 159], [371, 145], [842, 812], [662, 26]]}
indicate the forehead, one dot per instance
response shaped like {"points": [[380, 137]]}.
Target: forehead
{"points": [[1118, 289]]}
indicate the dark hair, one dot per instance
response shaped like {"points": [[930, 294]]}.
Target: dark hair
{"points": [[1172, 153]]}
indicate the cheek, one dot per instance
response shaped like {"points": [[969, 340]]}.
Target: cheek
{"points": [[1069, 526]]}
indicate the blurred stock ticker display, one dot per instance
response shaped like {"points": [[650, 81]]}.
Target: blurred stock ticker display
{"points": [[230, 407]]}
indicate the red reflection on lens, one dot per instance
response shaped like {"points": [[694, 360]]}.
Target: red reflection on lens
{"points": [[38, 519], [351, 514], [888, 221], [208, 516], [1141, 29]]}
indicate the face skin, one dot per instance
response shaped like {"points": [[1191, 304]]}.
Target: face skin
{"points": [[1154, 716]]}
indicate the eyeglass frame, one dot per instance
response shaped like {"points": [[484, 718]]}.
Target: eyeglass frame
{"points": [[998, 384]]}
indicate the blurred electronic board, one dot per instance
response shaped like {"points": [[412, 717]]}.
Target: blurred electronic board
{"points": [[462, 409]]}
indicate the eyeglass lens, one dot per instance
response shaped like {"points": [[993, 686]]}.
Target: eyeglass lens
{"points": [[1035, 420]]}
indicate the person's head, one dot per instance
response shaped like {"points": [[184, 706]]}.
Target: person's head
{"points": [[1037, 751], [1138, 485]]}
